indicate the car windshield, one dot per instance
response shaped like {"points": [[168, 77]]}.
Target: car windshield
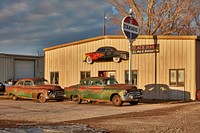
{"points": [[110, 81], [100, 50], [41, 82]]}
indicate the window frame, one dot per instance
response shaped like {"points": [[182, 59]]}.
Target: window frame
{"points": [[127, 72], [54, 81], [176, 78], [85, 74]]}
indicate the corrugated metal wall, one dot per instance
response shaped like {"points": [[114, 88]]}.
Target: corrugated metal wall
{"points": [[6, 67], [7, 64], [153, 73]]}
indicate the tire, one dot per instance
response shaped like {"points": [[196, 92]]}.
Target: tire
{"points": [[14, 97], [117, 59], [77, 99], [89, 60], [42, 98], [134, 102], [116, 101]]}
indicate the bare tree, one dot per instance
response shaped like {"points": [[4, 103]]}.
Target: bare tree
{"points": [[161, 17]]}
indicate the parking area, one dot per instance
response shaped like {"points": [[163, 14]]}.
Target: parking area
{"points": [[29, 110], [144, 117]]}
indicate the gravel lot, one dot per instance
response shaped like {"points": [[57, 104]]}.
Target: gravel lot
{"points": [[66, 116]]}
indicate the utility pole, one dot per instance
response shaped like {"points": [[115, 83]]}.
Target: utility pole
{"points": [[104, 23]]}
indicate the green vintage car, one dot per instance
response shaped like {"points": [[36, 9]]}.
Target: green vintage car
{"points": [[103, 89]]}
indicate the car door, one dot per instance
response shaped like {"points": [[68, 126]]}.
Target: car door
{"points": [[94, 90], [17, 89], [26, 89]]}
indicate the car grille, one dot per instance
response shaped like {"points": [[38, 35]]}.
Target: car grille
{"points": [[59, 93], [135, 94]]}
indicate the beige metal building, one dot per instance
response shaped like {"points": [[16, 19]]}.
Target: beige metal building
{"points": [[165, 67], [20, 66]]}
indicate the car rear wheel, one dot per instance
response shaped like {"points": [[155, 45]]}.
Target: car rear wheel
{"points": [[14, 97], [77, 99], [133, 102], [42, 98], [89, 60], [116, 59], [116, 101]]}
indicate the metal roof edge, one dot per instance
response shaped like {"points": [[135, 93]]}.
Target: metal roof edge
{"points": [[167, 37], [21, 55]]}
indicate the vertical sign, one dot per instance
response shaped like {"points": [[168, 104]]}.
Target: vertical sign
{"points": [[130, 29]]}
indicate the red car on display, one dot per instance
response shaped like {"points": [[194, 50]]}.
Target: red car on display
{"points": [[106, 54], [35, 88]]}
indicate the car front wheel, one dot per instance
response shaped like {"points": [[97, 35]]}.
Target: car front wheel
{"points": [[14, 97], [77, 99], [89, 60], [116, 101], [42, 98]]}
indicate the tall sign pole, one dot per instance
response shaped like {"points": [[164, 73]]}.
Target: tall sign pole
{"points": [[130, 29]]}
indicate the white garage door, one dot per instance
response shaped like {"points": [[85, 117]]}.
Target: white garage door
{"points": [[24, 69]]}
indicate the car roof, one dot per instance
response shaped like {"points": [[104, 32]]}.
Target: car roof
{"points": [[35, 79], [96, 78], [107, 47]]}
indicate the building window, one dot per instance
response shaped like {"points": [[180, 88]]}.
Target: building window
{"points": [[134, 77], [54, 79], [110, 74], [85, 74], [177, 77]]}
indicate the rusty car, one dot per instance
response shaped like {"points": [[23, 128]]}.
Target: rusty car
{"points": [[2, 88], [198, 95], [104, 89], [35, 88], [106, 53]]}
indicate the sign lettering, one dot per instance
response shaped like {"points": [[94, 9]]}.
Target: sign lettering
{"points": [[140, 49]]}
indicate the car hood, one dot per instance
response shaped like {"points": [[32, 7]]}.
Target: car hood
{"points": [[119, 51], [90, 52], [52, 87], [47, 87]]}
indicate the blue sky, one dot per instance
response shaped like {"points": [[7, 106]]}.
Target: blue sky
{"points": [[28, 26]]}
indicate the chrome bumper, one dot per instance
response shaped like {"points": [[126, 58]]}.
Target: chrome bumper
{"points": [[55, 95], [133, 96]]}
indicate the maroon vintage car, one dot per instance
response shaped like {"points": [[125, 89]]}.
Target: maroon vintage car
{"points": [[35, 88]]}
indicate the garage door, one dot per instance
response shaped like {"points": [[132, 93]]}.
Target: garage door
{"points": [[24, 69]]}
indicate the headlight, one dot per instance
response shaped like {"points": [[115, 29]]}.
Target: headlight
{"points": [[141, 91], [125, 92], [49, 92]]}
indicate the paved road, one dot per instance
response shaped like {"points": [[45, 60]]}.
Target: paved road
{"points": [[69, 117], [34, 111]]}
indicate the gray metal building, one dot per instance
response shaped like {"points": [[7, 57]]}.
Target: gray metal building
{"points": [[20, 66]]}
